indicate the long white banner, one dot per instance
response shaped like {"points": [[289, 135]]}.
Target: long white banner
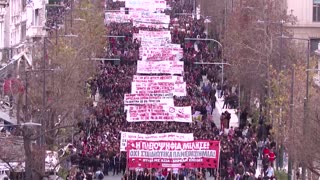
{"points": [[153, 42], [177, 88], [163, 52], [163, 35], [150, 24], [159, 98], [160, 67], [168, 48], [161, 57], [158, 113], [140, 16], [156, 38], [116, 17], [137, 78], [151, 5], [129, 136]]}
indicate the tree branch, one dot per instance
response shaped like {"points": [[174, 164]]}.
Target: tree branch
{"points": [[8, 163], [312, 169], [47, 131]]}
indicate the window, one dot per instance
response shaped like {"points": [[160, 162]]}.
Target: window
{"points": [[24, 5], [314, 45], [23, 31], [316, 10], [36, 17]]}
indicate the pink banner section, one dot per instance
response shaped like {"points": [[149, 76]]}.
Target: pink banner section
{"points": [[153, 36], [149, 79], [160, 67], [153, 112], [142, 99], [176, 88], [147, 53], [173, 154]]}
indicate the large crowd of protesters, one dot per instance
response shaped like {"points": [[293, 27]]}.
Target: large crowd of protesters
{"points": [[56, 14], [98, 141]]}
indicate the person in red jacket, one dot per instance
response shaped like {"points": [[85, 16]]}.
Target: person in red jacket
{"points": [[272, 157], [266, 151]]}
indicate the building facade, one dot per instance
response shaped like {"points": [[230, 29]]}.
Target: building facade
{"points": [[36, 15], [3, 8], [307, 14], [21, 22], [14, 29]]}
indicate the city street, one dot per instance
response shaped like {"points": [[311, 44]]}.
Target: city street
{"points": [[160, 88], [110, 177]]}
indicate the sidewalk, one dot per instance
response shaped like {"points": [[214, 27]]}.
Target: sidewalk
{"points": [[234, 122]]}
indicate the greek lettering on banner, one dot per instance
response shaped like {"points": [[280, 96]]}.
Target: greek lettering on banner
{"points": [[129, 136], [161, 154]]}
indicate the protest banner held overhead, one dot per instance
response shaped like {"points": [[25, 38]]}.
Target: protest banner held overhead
{"points": [[129, 136], [173, 154], [163, 35], [155, 112], [177, 88], [160, 67], [150, 79], [151, 5], [154, 98]]}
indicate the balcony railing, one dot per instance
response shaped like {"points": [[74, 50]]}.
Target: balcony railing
{"points": [[4, 3], [36, 31]]}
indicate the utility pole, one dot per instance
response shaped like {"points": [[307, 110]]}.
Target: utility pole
{"points": [[43, 118], [195, 8], [280, 149], [306, 100], [291, 133], [281, 41], [306, 110], [222, 60], [225, 15]]}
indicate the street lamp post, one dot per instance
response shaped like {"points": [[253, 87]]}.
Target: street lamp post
{"points": [[281, 24], [318, 53], [222, 60], [26, 124], [305, 111]]}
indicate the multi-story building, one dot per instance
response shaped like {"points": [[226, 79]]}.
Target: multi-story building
{"points": [[14, 29], [3, 6], [307, 25], [307, 14], [21, 24], [36, 19]]}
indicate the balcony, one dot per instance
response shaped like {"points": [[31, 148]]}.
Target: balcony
{"points": [[36, 31], [4, 3]]}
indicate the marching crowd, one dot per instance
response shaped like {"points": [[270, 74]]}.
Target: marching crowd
{"points": [[99, 137]]}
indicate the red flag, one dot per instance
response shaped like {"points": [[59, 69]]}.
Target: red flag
{"points": [[13, 86]]}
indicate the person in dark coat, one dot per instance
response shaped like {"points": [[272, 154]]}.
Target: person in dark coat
{"points": [[106, 166], [123, 163], [116, 164], [140, 176], [181, 176]]}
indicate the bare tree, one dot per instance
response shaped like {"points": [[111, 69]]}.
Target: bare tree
{"points": [[56, 88], [11, 148], [253, 46]]}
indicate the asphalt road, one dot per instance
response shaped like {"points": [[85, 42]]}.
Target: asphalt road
{"points": [[111, 177]]}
